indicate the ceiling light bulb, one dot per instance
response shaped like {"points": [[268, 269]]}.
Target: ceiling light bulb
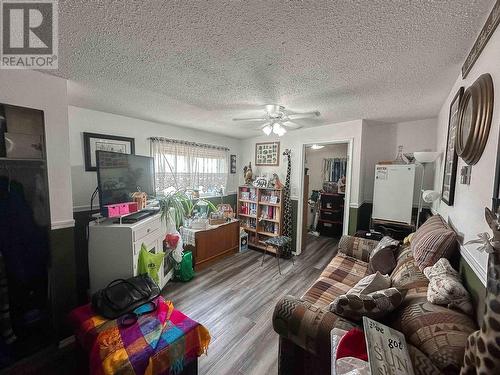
{"points": [[281, 131], [267, 129], [316, 147], [276, 128]]}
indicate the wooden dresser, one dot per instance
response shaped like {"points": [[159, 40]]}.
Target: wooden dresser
{"points": [[215, 243]]}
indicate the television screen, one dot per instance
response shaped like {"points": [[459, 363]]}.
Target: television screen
{"points": [[120, 175]]}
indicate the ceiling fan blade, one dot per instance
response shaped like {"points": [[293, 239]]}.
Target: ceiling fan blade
{"points": [[292, 125], [264, 125], [293, 116], [250, 119]]}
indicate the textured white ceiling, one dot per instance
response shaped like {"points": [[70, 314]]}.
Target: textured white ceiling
{"points": [[200, 63]]}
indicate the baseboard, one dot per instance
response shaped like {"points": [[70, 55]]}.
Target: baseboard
{"points": [[62, 224], [474, 265]]}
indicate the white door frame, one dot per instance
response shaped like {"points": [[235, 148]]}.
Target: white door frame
{"points": [[347, 199]]}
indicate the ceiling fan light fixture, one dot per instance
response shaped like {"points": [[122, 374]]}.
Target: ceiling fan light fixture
{"points": [[267, 129], [316, 147], [278, 129]]}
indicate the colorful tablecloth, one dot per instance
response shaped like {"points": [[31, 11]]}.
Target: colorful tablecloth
{"points": [[161, 342]]}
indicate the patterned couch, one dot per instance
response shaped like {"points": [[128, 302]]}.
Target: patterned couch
{"points": [[435, 335]]}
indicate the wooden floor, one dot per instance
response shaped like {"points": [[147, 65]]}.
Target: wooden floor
{"points": [[235, 299]]}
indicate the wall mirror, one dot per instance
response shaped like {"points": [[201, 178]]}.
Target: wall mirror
{"points": [[476, 110]]}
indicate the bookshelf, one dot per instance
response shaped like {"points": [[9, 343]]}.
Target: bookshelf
{"points": [[260, 211]]}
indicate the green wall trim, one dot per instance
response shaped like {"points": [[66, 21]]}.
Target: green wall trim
{"points": [[230, 198], [62, 278], [353, 221], [475, 287]]}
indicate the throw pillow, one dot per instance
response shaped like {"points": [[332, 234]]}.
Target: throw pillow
{"points": [[382, 257], [445, 287], [371, 283], [408, 239], [373, 305], [357, 247], [432, 241]]}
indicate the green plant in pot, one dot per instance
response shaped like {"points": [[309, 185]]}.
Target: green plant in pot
{"points": [[183, 206]]}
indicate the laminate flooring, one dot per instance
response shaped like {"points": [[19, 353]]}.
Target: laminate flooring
{"points": [[235, 300]]}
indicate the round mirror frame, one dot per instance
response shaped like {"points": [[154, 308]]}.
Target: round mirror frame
{"points": [[480, 93]]}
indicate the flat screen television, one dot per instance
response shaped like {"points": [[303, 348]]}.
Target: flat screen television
{"points": [[120, 175]]}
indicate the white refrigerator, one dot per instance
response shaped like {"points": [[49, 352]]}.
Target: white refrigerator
{"points": [[393, 192]]}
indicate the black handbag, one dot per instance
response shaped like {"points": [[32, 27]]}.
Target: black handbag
{"points": [[123, 296]]}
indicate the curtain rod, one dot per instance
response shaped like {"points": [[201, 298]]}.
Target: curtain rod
{"points": [[205, 145]]}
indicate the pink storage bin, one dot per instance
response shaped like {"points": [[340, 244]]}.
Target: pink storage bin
{"points": [[113, 210], [124, 208], [132, 207]]}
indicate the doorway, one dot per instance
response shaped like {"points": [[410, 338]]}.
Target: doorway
{"points": [[325, 190]]}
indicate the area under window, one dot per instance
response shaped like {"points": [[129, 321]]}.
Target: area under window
{"points": [[181, 165]]}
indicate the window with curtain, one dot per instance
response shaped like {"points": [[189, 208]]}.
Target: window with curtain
{"points": [[184, 165], [334, 169]]}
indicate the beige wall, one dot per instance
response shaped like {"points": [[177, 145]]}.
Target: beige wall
{"points": [[467, 213], [86, 120]]}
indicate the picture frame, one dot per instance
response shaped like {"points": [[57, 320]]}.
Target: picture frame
{"points": [[93, 142], [476, 113], [451, 157], [267, 154], [232, 164], [495, 204]]}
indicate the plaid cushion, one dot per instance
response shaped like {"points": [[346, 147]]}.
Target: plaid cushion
{"points": [[432, 241], [338, 277], [357, 247], [307, 325]]}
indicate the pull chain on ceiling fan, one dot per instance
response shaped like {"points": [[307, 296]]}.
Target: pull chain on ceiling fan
{"points": [[277, 119]]}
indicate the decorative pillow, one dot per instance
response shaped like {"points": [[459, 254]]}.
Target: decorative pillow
{"points": [[438, 332], [408, 239], [422, 365], [407, 275], [357, 247], [373, 305], [371, 283], [445, 287], [382, 257], [432, 241]]}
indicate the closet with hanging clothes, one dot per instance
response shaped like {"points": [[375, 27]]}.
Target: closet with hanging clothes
{"points": [[25, 310]]}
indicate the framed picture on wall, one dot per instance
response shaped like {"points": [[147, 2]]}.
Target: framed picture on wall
{"points": [[267, 154], [93, 142], [496, 189], [232, 164], [451, 157]]}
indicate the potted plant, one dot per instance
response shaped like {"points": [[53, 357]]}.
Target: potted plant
{"points": [[182, 205]]}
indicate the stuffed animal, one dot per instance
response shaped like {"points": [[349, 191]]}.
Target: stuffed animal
{"points": [[248, 174], [275, 182]]}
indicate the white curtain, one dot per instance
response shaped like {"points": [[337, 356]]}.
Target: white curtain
{"points": [[187, 165]]}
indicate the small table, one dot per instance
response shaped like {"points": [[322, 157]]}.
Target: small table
{"points": [[164, 341], [276, 243]]}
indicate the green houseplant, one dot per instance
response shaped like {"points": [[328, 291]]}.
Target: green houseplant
{"points": [[182, 205]]}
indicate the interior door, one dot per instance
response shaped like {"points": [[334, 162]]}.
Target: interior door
{"points": [[305, 211]]}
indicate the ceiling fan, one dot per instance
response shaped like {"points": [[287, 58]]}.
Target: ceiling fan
{"points": [[277, 119]]}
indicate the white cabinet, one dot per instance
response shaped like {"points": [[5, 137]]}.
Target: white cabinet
{"points": [[114, 249]]}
